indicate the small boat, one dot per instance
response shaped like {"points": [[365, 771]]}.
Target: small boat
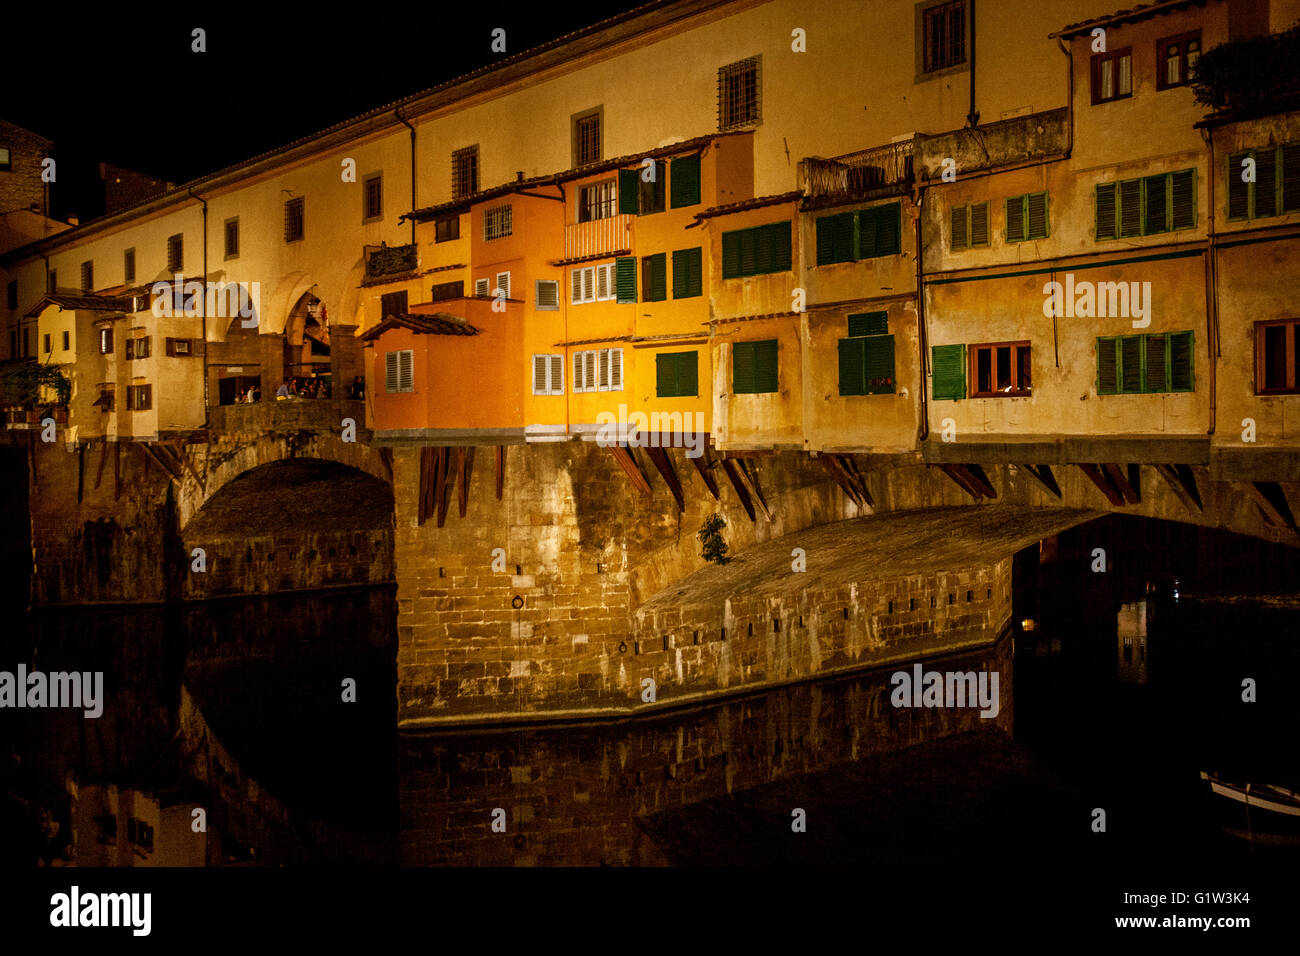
{"points": [[1265, 796]]}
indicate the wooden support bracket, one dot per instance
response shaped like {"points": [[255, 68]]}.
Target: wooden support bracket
{"points": [[1182, 481], [665, 465], [1042, 474], [1099, 478]]}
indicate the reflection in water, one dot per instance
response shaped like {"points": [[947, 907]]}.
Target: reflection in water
{"points": [[1123, 697]]}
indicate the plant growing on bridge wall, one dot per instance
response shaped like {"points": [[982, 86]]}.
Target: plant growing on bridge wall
{"points": [[26, 383], [710, 534]]}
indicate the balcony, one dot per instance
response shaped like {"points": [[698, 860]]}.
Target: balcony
{"points": [[600, 237], [865, 174], [388, 260]]}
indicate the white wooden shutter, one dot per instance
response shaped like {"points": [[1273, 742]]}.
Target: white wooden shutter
{"points": [[616, 370], [481, 288], [557, 374], [603, 374], [589, 284], [548, 294], [503, 284], [406, 371], [578, 377], [390, 371], [604, 281], [575, 285]]}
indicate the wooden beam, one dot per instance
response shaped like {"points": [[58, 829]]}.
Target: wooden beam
{"points": [[185, 460], [81, 471], [117, 470], [962, 479], [1042, 474], [1182, 482], [859, 479], [975, 474], [444, 478], [704, 465], [729, 466], [465, 464], [665, 465], [103, 457], [750, 471], [1121, 481], [1099, 478], [155, 454], [1270, 498], [501, 470], [837, 471], [386, 456], [623, 455], [425, 502]]}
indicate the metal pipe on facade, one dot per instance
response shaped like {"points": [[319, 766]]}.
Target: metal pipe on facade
{"points": [[973, 117], [203, 307], [1069, 94], [921, 337], [1212, 290], [402, 119]]}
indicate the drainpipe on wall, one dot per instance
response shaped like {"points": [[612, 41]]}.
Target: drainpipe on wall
{"points": [[1212, 289], [401, 119], [203, 309], [1069, 97], [921, 337], [973, 117]]}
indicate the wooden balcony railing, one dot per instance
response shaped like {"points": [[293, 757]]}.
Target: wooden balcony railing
{"points": [[859, 173], [598, 237]]}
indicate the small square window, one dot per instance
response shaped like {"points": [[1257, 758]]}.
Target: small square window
{"points": [[6, 160], [447, 228], [464, 172], [232, 238], [587, 137], [1176, 59], [293, 219], [128, 265], [1112, 75], [373, 193]]}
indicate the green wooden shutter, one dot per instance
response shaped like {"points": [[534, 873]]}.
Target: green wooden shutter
{"points": [[748, 251], [1183, 199], [826, 240], [1181, 373], [1036, 216], [1107, 366], [948, 371], [979, 224], [1105, 223], [730, 255], [765, 366], [687, 273], [742, 368], [958, 232], [1238, 191], [688, 373], [1016, 219], [1156, 189], [1130, 208], [665, 375], [845, 249], [868, 323], [853, 363], [1291, 177], [1157, 362], [880, 364], [889, 229], [629, 191], [763, 250], [654, 277], [625, 278], [779, 233], [866, 228], [684, 183], [1130, 364], [1265, 182]]}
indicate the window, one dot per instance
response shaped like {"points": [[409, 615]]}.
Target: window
{"points": [[1131, 364], [948, 372], [762, 249], [139, 398], [598, 201], [968, 226], [1152, 204], [548, 374], [6, 160], [598, 370], [46, 342], [654, 277], [139, 832], [865, 234], [496, 223], [107, 827], [175, 253], [625, 279], [293, 219], [88, 277], [677, 374], [753, 367], [446, 229], [442, 291], [137, 348], [688, 273], [548, 295], [1270, 193], [867, 356], [464, 172], [943, 36], [105, 341], [107, 394], [502, 287], [685, 181], [482, 288], [1176, 60], [179, 347], [652, 192], [592, 284], [67, 341], [1000, 370], [11, 294], [399, 371], [1112, 75], [739, 94], [373, 197], [586, 137], [1277, 348], [128, 265], [392, 303], [232, 238], [1026, 217]]}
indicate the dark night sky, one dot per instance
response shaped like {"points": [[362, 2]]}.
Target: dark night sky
{"points": [[124, 87]]}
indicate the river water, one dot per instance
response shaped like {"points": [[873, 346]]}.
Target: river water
{"points": [[1118, 689]]}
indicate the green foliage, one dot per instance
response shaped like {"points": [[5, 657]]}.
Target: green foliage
{"points": [[710, 534], [1254, 77], [24, 383]]}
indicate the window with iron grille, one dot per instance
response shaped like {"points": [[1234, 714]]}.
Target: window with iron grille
{"points": [[128, 265], [496, 223], [88, 277], [232, 238], [1112, 75], [1277, 357], [943, 36], [293, 224], [446, 229], [399, 371], [1176, 60], [175, 253], [739, 94], [464, 172], [373, 197], [598, 201], [586, 137]]}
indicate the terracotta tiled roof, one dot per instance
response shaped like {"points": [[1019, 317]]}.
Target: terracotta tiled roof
{"points": [[1142, 11], [744, 204], [439, 323], [91, 303]]}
